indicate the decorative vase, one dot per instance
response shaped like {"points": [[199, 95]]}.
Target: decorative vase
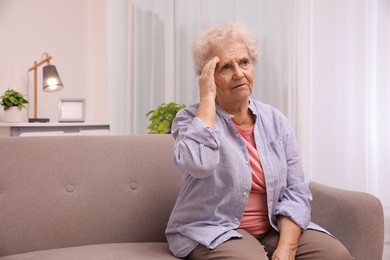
{"points": [[13, 115]]}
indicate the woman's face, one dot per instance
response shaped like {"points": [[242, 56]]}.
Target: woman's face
{"points": [[234, 73]]}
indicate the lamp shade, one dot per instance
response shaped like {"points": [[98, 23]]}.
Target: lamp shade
{"points": [[51, 79]]}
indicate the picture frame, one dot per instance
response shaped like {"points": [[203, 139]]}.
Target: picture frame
{"points": [[72, 110]]}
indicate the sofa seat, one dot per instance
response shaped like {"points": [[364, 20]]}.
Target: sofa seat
{"points": [[115, 251]]}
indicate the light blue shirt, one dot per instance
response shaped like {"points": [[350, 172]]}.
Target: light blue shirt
{"points": [[217, 177]]}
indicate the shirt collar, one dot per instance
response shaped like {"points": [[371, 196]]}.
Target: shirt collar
{"points": [[226, 115]]}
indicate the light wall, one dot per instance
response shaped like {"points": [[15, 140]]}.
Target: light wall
{"points": [[73, 32]]}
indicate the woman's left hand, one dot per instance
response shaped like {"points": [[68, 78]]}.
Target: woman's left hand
{"points": [[284, 253]]}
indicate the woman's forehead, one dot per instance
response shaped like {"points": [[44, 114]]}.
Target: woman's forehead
{"points": [[233, 54], [237, 57]]}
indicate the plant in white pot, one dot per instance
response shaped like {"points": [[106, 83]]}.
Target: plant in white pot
{"points": [[13, 102]]}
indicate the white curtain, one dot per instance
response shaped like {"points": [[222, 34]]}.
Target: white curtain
{"points": [[158, 59], [343, 95], [347, 89]]}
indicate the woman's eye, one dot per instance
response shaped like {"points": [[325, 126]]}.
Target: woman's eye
{"points": [[225, 67], [244, 62]]}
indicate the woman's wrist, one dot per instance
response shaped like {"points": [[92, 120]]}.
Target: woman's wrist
{"points": [[289, 232], [207, 110]]}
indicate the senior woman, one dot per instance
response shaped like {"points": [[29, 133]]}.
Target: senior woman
{"points": [[244, 194]]}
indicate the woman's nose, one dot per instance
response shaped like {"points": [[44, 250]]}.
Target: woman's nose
{"points": [[238, 73]]}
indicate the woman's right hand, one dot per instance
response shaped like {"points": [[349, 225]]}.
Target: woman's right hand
{"points": [[207, 86], [208, 93]]}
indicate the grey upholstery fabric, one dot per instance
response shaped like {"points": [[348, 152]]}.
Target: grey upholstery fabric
{"points": [[81, 190], [355, 218], [91, 196], [118, 251]]}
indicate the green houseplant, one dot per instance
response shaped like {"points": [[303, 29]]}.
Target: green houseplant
{"points": [[13, 102], [12, 98], [161, 118]]}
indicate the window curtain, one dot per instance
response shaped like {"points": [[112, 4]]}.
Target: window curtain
{"points": [[347, 89], [151, 60], [343, 95]]}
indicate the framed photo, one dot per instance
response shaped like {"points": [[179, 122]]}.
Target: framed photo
{"points": [[72, 110]]}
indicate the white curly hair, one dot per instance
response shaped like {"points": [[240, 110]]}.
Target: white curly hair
{"points": [[209, 37]]}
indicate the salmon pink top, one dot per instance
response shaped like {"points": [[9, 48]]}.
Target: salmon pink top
{"points": [[255, 218]]}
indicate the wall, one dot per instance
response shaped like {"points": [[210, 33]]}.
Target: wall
{"points": [[73, 32]]}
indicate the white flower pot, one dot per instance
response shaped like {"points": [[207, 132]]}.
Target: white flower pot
{"points": [[13, 115]]}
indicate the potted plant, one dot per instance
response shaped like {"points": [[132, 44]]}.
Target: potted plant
{"points": [[13, 102], [161, 118]]}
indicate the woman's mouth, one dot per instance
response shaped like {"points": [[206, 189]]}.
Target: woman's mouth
{"points": [[238, 86]]}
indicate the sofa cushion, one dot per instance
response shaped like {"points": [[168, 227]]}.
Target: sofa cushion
{"points": [[117, 251]]}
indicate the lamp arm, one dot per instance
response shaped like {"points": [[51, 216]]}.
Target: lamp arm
{"points": [[35, 67], [37, 64]]}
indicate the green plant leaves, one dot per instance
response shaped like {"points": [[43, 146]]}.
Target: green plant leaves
{"points": [[161, 118], [12, 98]]}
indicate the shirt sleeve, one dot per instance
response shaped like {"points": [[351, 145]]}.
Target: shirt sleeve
{"points": [[296, 197], [196, 147]]}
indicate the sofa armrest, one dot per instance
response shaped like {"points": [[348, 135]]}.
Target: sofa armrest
{"points": [[354, 218]]}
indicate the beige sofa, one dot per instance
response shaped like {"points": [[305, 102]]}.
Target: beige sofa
{"points": [[109, 197]]}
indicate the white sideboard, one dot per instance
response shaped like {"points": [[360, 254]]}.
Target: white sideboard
{"points": [[47, 129]]}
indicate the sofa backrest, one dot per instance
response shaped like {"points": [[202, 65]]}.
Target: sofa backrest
{"points": [[77, 190]]}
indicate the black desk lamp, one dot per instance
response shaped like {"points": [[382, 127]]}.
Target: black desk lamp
{"points": [[51, 83]]}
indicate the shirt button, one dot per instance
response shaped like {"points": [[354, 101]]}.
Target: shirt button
{"points": [[244, 193], [236, 219], [246, 162]]}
